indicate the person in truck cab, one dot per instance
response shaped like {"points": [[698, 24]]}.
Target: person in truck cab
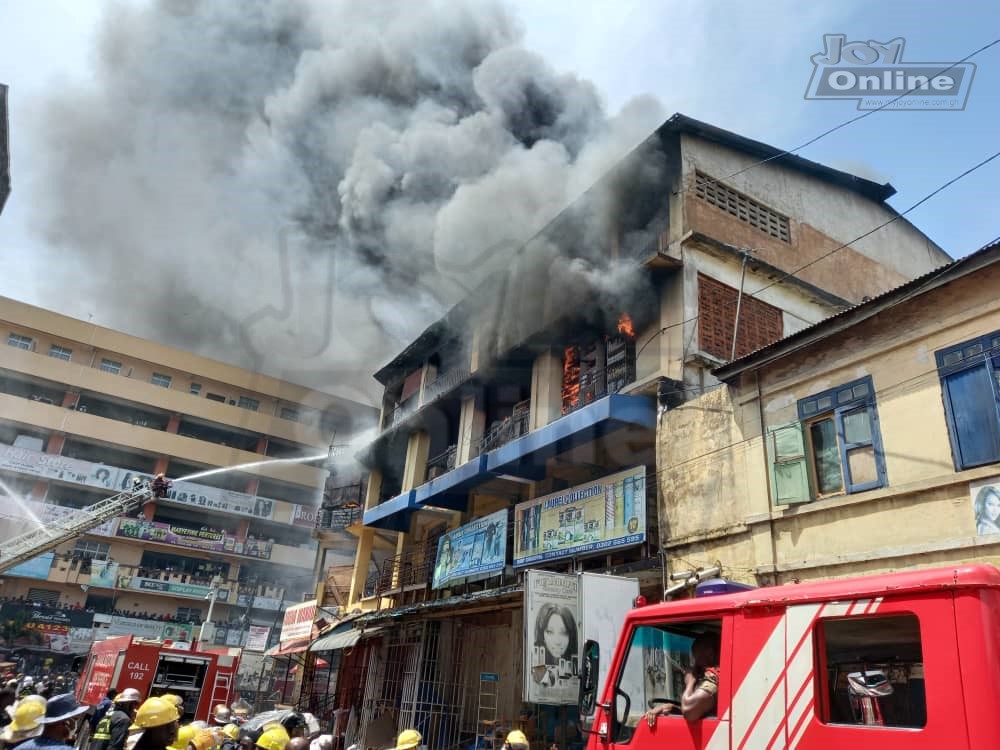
{"points": [[701, 683]]}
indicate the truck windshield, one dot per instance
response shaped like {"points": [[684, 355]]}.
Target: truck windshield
{"points": [[653, 672]]}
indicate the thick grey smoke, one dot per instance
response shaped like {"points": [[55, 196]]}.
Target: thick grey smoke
{"points": [[301, 186]]}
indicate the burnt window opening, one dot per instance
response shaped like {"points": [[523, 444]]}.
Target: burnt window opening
{"points": [[592, 371]]}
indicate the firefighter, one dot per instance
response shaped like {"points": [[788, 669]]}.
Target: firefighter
{"points": [[24, 722], [157, 720], [204, 739], [241, 712], [273, 738], [230, 737], [221, 715], [111, 732], [184, 736], [160, 486], [59, 725], [408, 739], [516, 740]]}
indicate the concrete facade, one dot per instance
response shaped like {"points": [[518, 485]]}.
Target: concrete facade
{"points": [[77, 395], [718, 492]]}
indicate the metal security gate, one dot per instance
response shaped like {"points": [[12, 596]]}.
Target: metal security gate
{"points": [[412, 681]]}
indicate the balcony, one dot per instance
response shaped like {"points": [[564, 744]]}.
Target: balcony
{"points": [[413, 568], [509, 449], [342, 507], [443, 385]]}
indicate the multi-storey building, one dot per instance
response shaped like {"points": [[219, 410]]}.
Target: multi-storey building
{"points": [[85, 409], [4, 149], [523, 429], [867, 443]]}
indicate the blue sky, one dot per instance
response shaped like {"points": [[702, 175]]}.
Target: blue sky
{"points": [[742, 66]]}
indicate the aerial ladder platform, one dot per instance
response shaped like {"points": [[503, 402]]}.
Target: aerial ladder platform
{"points": [[24, 547]]}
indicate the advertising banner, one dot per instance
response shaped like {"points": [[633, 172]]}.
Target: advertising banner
{"points": [[62, 630], [51, 466], [985, 498], [103, 573], [194, 590], [259, 602], [36, 567], [257, 638], [210, 498], [149, 629], [178, 631], [551, 638], [305, 516], [298, 622], [600, 515], [208, 541], [476, 550]]}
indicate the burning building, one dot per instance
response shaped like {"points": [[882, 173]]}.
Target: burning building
{"points": [[518, 432]]}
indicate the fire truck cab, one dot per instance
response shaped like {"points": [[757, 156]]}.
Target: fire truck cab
{"points": [[903, 660], [202, 678]]}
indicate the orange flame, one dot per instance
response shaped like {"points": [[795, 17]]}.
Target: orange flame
{"points": [[625, 326], [571, 379]]}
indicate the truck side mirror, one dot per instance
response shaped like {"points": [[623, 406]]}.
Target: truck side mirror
{"points": [[588, 677]]}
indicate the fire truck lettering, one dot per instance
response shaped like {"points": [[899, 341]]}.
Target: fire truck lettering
{"points": [[138, 665]]}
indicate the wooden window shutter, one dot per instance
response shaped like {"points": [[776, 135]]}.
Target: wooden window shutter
{"points": [[786, 455]]}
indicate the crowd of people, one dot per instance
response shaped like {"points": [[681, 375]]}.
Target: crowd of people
{"points": [[126, 721], [152, 616]]}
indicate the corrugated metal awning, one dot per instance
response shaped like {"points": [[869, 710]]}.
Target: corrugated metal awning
{"points": [[341, 638]]}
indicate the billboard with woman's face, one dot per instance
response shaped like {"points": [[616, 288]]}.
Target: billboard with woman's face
{"points": [[986, 505], [551, 638]]}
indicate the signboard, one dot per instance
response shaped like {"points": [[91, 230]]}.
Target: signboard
{"points": [[551, 638], [257, 638], [259, 602], [178, 631], [298, 622], [149, 629], [305, 516], [208, 541], [62, 468], [985, 498], [600, 515], [62, 630], [103, 573], [476, 550], [194, 590], [36, 567]]}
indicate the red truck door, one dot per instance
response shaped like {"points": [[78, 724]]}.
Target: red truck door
{"points": [[874, 674], [652, 673]]}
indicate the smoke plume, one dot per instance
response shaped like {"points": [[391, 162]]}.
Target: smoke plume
{"points": [[301, 186]]}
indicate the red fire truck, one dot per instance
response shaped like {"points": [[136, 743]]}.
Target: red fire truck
{"points": [[202, 678], [904, 660]]}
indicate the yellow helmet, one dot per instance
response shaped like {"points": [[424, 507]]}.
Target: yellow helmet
{"points": [[231, 731], [155, 712], [173, 698], [273, 738], [517, 738], [184, 735], [204, 739], [26, 715], [408, 738]]}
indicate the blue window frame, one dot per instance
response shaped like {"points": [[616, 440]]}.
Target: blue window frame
{"points": [[842, 439], [970, 388]]}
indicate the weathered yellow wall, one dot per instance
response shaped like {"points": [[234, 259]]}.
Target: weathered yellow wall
{"points": [[714, 475]]}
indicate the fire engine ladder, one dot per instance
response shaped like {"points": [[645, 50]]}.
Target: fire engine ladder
{"points": [[487, 737], [33, 543]]}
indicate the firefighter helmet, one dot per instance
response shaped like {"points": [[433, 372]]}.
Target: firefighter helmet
{"points": [[231, 731], [175, 699], [517, 739], [408, 738], [273, 738], [155, 712], [204, 739], [221, 714], [27, 714], [184, 735], [128, 695]]}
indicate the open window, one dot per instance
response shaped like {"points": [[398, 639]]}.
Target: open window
{"points": [[874, 670], [654, 669]]}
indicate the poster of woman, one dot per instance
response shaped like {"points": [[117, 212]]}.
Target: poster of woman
{"points": [[552, 638], [986, 506]]}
